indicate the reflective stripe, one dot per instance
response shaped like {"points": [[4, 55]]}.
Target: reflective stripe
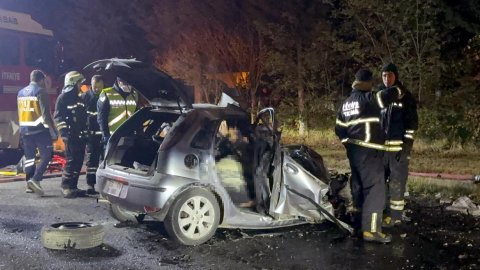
{"points": [[367, 144], [28, 98], [358, 121], [344, 140], [367, 132], [72, 106], [408, 136], [373, 225], [118, 118], [393, 148], [33, 123], [379, 99], [29, 162], [394, 142], [409, 131], [397, 205]]}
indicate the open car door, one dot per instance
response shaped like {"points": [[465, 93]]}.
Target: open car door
{"points": [[288, 172]]}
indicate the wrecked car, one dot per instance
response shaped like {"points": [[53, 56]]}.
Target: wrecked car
{"points": [[198, 167]]}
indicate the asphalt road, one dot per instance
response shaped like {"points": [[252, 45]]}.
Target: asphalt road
{"points": [[146, 246], [23, 215]]}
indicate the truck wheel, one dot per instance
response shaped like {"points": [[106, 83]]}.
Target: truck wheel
{"points": [[123, 215], [193, 217], [72, 235]]}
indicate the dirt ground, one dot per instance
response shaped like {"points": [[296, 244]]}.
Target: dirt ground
{"points": [[432, 239]]}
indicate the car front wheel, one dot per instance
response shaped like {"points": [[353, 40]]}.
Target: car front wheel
{"points": [[193, 217]]}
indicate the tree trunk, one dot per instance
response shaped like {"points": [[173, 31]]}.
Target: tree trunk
{"points": [[301, 91]]}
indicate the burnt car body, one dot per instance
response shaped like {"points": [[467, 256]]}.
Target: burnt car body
{"points": [[195, 177]]}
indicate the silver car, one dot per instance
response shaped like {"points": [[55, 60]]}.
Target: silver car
{"points": [[198, 167]]}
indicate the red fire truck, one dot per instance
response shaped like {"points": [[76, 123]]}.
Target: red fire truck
{"points": [[24, 45]]}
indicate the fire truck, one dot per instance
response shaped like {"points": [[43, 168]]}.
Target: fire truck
{"points": [[25, 45]]}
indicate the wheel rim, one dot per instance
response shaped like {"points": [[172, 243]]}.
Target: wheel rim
{"points": [[196, 217]]}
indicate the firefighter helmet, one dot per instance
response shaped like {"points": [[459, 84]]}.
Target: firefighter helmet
{"points": [[73, 77]]}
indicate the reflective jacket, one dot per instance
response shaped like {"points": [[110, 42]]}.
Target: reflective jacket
{"points": [[70, 114], [400, 119], [114, 107], [358, 119], [34, 110], [90, 100]]}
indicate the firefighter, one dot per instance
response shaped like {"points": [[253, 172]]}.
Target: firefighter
{"points": [[71, 118], [358, 127], [94, 149], [400, 121], [115, 105], [37, 129]]}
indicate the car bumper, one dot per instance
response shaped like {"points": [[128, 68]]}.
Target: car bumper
{"points": [[152, 194]]}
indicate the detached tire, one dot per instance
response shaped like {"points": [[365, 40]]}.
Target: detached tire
{"points": [[72, 235], [193, 217], [123, 215]]}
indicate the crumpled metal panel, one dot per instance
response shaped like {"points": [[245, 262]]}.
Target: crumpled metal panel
{"points": [[300, 180]]}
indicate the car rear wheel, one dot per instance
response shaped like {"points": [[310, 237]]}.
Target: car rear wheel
{"points": [[193, 218], [124, 215]]}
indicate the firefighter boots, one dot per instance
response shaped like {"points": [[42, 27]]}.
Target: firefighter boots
{"points": [[377, 237]]}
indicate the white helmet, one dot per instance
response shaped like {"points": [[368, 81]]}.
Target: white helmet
{"points": [[73, 77]]}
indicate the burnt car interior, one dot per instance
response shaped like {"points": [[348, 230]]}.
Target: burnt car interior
{"points": [[138, 141], [244, 154], [233, 151]]}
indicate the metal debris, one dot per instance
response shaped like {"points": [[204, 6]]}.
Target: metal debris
{"points": [[464, 205]]}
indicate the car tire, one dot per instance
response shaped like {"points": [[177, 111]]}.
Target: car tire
{"points": [[124, 215], [193, 217], [72, 235]]}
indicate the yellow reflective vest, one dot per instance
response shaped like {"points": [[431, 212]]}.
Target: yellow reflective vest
{"points": [[30, 115], [120, 108]]}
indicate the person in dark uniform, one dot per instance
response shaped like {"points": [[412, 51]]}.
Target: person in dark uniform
{"points": [[71, 118], [37, 129], [358, 127], [94, 148], [400, 121], [115, 105]]}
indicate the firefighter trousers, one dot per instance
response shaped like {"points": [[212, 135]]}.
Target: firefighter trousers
{"points": [[368, 185], [74, 154], [94, 150], [396, 175], [43, 142]]}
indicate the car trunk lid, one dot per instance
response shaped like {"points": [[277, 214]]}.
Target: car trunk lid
{"points": [[157, 87]]}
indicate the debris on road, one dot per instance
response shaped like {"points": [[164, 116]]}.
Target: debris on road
{"points": [[464, 205]]}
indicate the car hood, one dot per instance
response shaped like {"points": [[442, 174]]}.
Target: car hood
{"points": [[156, 86]]}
